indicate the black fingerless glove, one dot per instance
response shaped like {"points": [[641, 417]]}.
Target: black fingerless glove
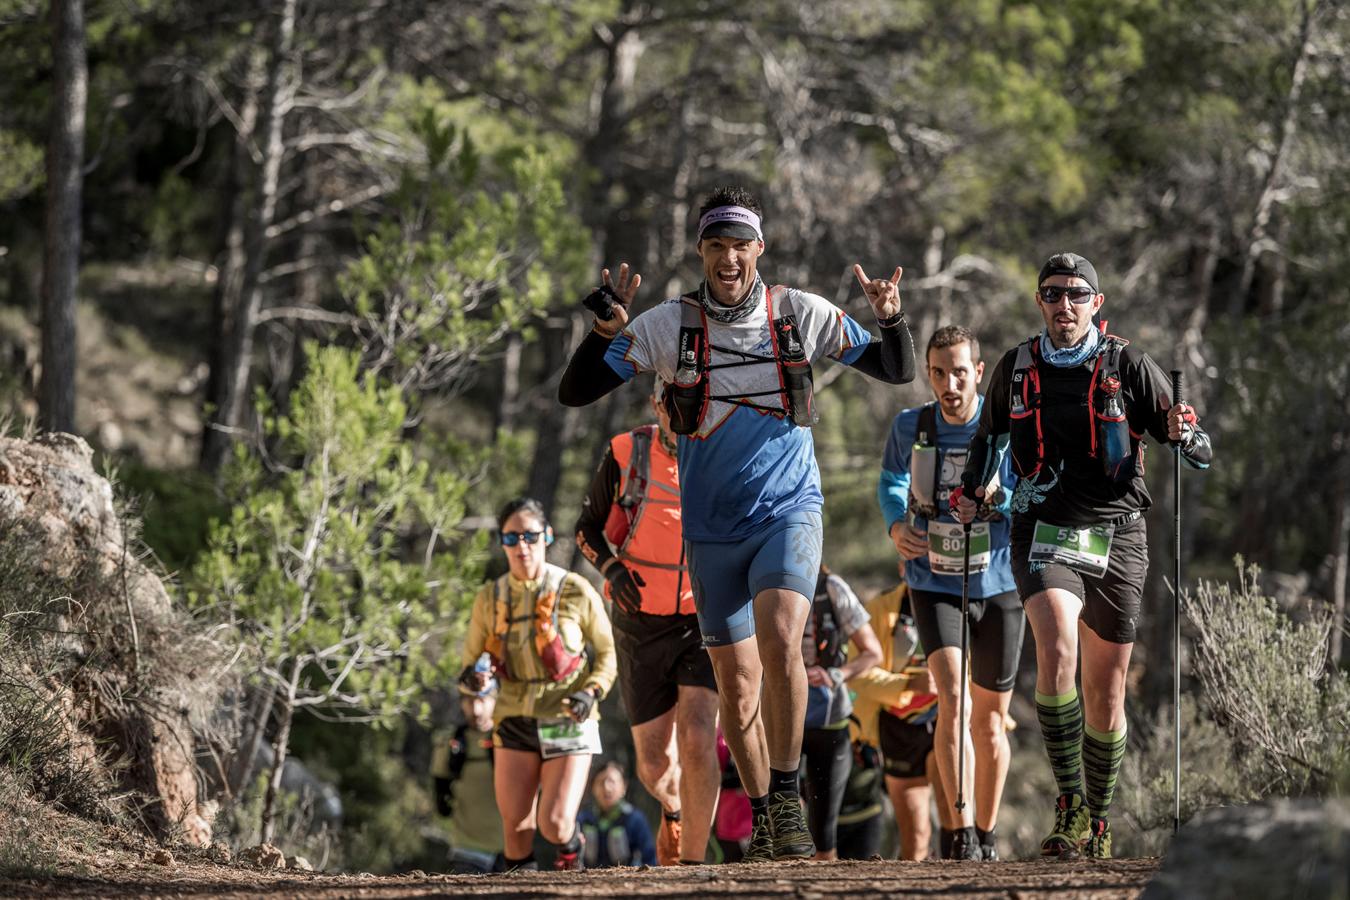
{"points": [[625, 588], [579, 704], [444, 794]]}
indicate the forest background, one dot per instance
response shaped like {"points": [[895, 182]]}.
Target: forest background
{"points": [[314, 269]]}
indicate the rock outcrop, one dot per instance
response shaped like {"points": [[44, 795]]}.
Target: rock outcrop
{"points": [[1282, 848], [129, 686]]}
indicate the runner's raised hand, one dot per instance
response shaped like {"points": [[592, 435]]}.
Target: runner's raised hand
{"points": [[882, 293], [625, 290]]}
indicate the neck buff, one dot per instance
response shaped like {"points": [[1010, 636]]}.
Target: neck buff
{"points": [[729, 314], [737, 215], [1068, 357]]}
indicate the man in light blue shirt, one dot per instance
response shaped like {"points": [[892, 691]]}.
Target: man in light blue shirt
{"points": [[925, 456]]}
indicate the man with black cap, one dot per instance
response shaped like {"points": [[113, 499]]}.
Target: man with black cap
{"points": [[1072, 405], [736, 355]]}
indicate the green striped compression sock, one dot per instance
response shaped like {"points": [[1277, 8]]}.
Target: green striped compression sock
{"points": [[1102, 755], [1061, 721]]}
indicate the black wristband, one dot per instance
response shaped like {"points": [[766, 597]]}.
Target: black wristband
{"points": [[892, 321]]}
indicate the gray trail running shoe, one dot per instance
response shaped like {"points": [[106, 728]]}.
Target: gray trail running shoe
{"points": [[1098, 844], [1071, 827], [761, 840], [791, 839]]}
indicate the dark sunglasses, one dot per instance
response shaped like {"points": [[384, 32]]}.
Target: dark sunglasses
{"points": [[511, 538], [1052, 294]]}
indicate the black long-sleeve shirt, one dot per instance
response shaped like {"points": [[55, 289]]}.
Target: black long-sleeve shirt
{"points": [[1079, 493]]}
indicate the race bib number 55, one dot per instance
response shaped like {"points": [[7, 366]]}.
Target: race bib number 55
{"points": [[1086, 550]]}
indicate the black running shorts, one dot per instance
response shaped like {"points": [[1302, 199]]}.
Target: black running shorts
{"points": [[904, 746], [997, 624], [656, 655], [1111, 602], [517, 733]]}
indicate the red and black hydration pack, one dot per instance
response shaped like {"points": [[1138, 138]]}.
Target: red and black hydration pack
{"points": [[687, 398], [1109, 435]]}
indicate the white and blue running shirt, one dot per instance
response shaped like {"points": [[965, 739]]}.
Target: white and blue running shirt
{"points": [[743, 467]]}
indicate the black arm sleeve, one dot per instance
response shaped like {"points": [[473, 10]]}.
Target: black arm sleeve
{"points": [[990, 442], [890, 359], [587, 378], [1154, 390], [595, 511]]}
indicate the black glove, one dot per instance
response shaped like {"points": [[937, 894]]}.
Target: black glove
{"points": [[579, 705], [624, 588]]}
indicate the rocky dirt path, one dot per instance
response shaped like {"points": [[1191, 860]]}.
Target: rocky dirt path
{"points": [[802, 881]]}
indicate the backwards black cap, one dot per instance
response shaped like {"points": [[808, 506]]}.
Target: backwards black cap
{"points": [[1069, 264]]}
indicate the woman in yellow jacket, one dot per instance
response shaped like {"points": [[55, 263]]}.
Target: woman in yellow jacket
{"points": [[535, 623]]}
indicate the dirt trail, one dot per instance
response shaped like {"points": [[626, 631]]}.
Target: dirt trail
{"points": [[803, 881]]}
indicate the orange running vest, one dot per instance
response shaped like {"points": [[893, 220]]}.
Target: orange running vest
{"points": [[643, 525]]}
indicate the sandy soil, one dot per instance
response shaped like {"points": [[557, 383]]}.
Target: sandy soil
{"points": [[799, 880]]}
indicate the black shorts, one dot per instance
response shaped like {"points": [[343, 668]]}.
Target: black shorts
{"points": [[1111, 602], [997, 624], [904, 746], [656, 655], [517, 733]]}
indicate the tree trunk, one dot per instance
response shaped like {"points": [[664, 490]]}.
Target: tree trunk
{"points": [[280, 749], [1340, 537], [508, 403], [615, 233], [1287, 127], [239, 361], [230, 266], [254, 728], [65, 162]]}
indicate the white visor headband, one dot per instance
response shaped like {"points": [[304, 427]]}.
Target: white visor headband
{"points": [[730, 221]]}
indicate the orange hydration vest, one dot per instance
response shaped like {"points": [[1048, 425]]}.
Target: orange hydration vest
{"points": [[643, 524]]}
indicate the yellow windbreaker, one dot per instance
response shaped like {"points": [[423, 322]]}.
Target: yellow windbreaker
{"points": [[506, 618], [899, 685]]}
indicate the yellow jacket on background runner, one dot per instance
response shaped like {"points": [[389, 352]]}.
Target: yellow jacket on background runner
{"points": [[901, 686], [561, 613]]}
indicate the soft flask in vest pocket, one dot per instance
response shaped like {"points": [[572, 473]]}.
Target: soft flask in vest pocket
{"points": [[1114, 443], [686, 398], [796, 370]]}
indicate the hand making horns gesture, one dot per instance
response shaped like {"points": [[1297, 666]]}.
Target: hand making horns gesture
{"points": [[625, 290], [882, 293]]}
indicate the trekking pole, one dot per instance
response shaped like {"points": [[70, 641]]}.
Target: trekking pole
{"points": [[965, 607], [1176, 618]]}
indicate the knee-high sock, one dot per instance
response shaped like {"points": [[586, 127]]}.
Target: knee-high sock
{"points": [[1102, 754], [1061, 721]]}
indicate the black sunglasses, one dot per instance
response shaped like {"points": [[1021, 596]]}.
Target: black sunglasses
{"points": [[511, 538], [1053, 293]]}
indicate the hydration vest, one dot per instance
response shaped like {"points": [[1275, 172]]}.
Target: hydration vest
{"points": [[1110, 438], [688, 396], [643, 524], [555, 659], [831, 649], [925, 472]]}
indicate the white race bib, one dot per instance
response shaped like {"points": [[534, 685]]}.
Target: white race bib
{"points": [[946, 547], [564, 737], [1086, 550]]}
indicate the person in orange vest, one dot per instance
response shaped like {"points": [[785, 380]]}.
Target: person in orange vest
{"points": [[630, 530]]}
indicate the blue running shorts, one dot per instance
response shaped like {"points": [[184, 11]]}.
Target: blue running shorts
{"points": [[727, 576]]}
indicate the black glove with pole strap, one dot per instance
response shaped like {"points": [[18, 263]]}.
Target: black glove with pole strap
{"points": [[580, 703], [625, 586]]}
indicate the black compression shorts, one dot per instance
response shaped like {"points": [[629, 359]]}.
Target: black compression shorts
{"points": [[1111, 602], [996, 627], [656, 655], [904, 746]]}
